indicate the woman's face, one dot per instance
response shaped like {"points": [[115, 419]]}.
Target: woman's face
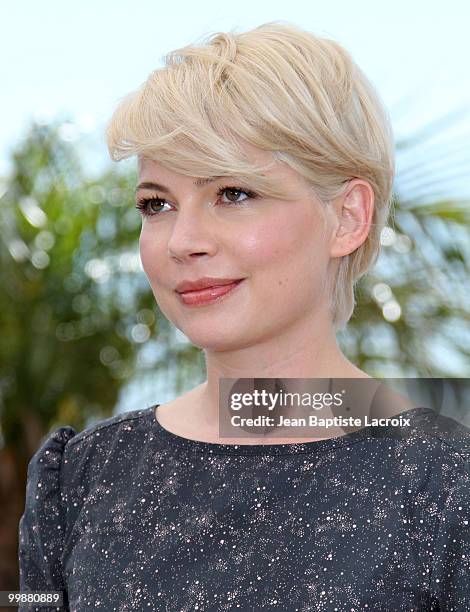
{"points": [[277, 246]]}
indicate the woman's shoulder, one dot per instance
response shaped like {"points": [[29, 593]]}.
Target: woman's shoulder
{"points": [[65, 451], [432, 448], [45, 464], [109, 426], [441, 433], [103, 440], [58, 447]]}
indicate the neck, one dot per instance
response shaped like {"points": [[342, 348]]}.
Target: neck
{"points": [[294, 355]]}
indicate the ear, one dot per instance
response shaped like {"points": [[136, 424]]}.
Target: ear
{"points": [[353, 209]]}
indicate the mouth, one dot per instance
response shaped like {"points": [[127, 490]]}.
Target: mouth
{"points": [[209, 294]]}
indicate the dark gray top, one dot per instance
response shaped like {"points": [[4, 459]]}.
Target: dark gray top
{"points": [[129, 516]]}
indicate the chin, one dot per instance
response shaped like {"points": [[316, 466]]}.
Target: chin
{"points": [[219, 343], [222, 339]]}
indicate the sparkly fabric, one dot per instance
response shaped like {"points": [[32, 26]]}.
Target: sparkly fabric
{"points": [[127, 516]]}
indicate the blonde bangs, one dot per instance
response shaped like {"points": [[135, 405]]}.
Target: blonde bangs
{"points": [[185, 118]]}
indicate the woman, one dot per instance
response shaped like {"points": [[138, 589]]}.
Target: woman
{"points": [[265, 172]]}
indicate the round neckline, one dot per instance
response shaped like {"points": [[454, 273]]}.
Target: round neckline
{"points": [[318, 446]]}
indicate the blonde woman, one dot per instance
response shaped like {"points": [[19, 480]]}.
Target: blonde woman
{"points": [[266, 163]]}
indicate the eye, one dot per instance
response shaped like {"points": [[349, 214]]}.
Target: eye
{"points": [[233, 191], [144, 204]]}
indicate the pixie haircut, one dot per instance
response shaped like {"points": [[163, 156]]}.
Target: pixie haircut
{"points": [[284, 90]]}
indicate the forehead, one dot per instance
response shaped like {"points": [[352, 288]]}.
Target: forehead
{"points": [[147, 166]]}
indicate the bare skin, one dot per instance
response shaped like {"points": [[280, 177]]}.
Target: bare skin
{"points": [[277, 322]]}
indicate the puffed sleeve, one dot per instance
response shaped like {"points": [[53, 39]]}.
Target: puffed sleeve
{"points": [[41, 527], [450, 575]]}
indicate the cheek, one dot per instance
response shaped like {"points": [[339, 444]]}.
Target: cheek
{"points": [[149, 252], [287, 242], [152, 255]]}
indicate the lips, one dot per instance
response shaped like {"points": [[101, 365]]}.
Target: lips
{"points": [[204, 283], [208, 294]]}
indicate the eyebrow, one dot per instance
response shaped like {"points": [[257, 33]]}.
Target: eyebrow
{"points": [[198, 183]]}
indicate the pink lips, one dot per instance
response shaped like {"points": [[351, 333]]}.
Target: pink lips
{"points": [[206, 296]]}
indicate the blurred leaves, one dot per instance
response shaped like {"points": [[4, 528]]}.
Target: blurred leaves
{"points": [[422, 277]]}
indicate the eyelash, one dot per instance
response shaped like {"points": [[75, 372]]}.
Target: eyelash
{"points": [[143, 203]]}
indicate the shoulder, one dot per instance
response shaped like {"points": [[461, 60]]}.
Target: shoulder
{"points": [[432, 451], [44, 468], [60, 441], [52, 447], [437, 434], [114, 441], [109, 426], [96, 443], [62, 464], [41, 524], [62, 447]]}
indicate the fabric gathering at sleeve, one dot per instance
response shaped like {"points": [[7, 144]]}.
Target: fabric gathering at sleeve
{"points": [[41, 527], [450, 574]]}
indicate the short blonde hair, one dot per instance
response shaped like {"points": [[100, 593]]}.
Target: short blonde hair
{"points": [[284, 90]]}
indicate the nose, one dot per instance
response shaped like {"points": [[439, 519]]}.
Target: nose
{"points": [[191, 234]]}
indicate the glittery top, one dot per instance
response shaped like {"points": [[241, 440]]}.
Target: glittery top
{"points": [[126, 515]]}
